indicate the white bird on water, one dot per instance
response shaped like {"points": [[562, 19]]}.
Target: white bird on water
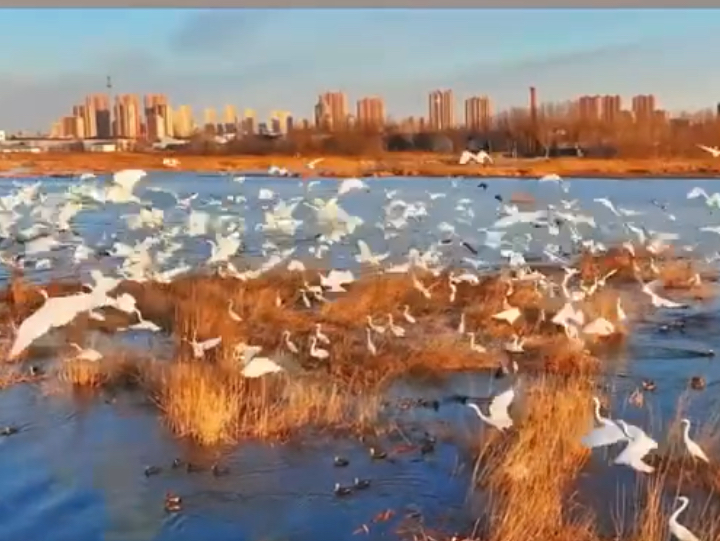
{"points": [[499, 416], [677, 529]]}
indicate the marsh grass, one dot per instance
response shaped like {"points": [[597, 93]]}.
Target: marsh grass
{"points": [[117, 370], [529, 473], [529, 470], [213, 405], [209, 401], [197, 307]]}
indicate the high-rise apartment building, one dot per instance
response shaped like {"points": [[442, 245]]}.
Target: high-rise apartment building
{"points": [[249, 122], [588, 108], [280, 121], [128, 121], [230, 119], [210, 119], [230, 114], [183, 123], [72, 127], [371, 113], [331, 111], [97, 121], [441, 109], [611, 109], [477, 113], [643, 107], [158, 117]]}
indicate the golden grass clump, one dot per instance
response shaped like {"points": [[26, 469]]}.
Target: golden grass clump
{"points": [[677, 274], [82, 373], [529, 470], [212, 405], [379, 295], [112, 371], [557, 354], [200, 403]]}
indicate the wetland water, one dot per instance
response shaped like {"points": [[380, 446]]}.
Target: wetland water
{"points": [[75, 469]]}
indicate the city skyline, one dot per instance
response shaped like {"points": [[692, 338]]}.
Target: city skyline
{"points": [[264, 59], [104, 116]]}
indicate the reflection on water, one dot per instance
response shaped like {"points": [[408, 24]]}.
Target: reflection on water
{"points": [[75, 470]]}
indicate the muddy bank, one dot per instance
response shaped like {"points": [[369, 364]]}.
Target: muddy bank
{"points": [[395, 164]]}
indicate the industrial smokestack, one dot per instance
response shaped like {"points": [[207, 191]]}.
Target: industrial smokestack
{"points": [[533, 104]]}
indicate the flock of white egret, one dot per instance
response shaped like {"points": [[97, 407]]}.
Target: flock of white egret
{"points": [[161, 254]]}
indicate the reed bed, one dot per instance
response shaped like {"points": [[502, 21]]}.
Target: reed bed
{"points": [[529, 475], [210, 401], [212, 405], [529, 470]]}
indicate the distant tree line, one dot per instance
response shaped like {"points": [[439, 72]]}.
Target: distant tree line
{"points": [[555, 130]]}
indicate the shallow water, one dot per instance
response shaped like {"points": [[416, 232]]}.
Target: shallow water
{"points": [[75, 470]]}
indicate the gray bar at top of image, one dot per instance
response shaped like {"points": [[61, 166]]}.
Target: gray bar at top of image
{"points": [[539, 4]]}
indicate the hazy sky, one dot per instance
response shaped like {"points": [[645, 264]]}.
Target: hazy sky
{"points": [[265, 59]]}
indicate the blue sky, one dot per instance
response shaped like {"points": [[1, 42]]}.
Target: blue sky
{"points": [[267, 59]]}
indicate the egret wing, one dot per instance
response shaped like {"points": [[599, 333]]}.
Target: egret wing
{"points": [[636, 450], [211, 343], [603, 436], [501, 403], [635, 432], [259, 366], [365, 253], [56, 312], [128, 178]]}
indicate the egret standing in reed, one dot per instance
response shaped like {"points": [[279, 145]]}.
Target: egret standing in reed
{"points": [[677, 529], [692, 447]]}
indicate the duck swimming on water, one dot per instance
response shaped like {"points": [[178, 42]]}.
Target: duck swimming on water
{"points": [[361, 483], [340, 462], [173, 503], [341, 490]]}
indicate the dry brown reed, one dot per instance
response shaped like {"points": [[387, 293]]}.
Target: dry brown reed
{"points": [[115, 370], [529, 470], [212, 404], [197, 306]]}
